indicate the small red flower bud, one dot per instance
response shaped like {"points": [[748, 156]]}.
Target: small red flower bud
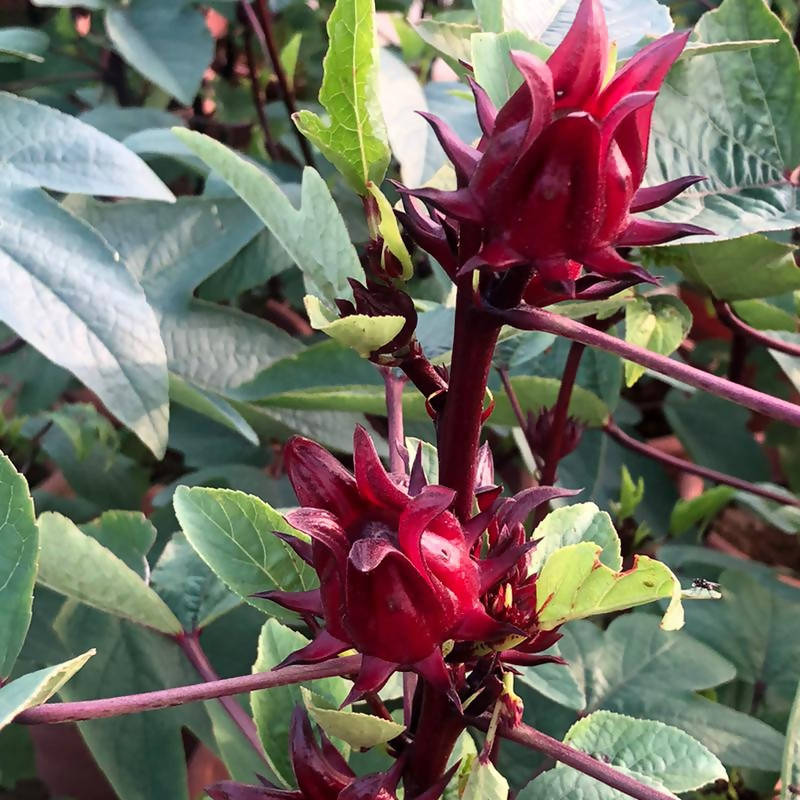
{"points": [[556, 177]]}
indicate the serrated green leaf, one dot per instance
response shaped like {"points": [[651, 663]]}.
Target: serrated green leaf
{"points": [[37, 687], [19, 551], [569, 784], [790, 771], [648, 748], [658, 323], [730, 116], [233, 533], [168, 43], [355, 140], [579, 522], [186, 584], [78, 566], [326, 259], [363, 333], [753, 627], [127, 534], [358, 730], [272, 708], [69, 296], [638, 669], [749, 267], [574, 584]]}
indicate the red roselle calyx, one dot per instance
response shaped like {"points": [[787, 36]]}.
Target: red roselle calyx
{"points": [[399, 575], [322, 774], [556, 176]]}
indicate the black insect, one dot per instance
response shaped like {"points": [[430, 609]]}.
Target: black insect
{"points": [[702, 583]]}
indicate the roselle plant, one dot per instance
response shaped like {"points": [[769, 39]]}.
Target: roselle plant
{"points": [[359, 358]]}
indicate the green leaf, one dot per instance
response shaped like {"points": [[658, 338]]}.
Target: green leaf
{"points": [[449, 38], [647, 748], [731, 116], [790, 772], [484, 782], [42, 147], [210, 405], [272, 708], [23, 43], [555, 681], [232, 533], [569, 784], [658, 323], [192, 591], [360, 731], [19, 550], [630, 495], [574, 583], [127, 534], [120, 123], [429, 457], [753, 628], [355, 139], [790, 365], [629, 21], [701, 509], [580, 522], [37, 687], [715, 434], [363, 333], [78, 566], [141, 755], [213, 348], [491, 60], [169, 44], [749, 267], [326, 259], [68, 295], [638, 669]]}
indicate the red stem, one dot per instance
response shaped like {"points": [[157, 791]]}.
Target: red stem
{"points": [[560, 412], [610, 776], [255, 85], [516, 408], [726, 315], [529, 318], [164, 698], [423, 375], [683, 465], [435, 735], [190, 644], [393, 389], [266, 37], [474, 338]]}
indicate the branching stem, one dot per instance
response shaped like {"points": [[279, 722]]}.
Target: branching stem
{"points": [[164, 698], [530, 318]]}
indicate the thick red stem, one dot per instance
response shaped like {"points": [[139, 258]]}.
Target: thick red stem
{"points": [[435, 735], [474, 338]]}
